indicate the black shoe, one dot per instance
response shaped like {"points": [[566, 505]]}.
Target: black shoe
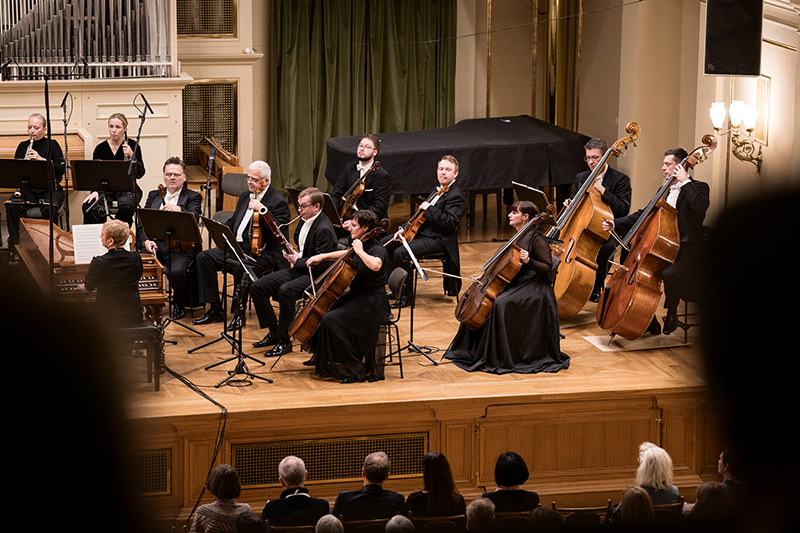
{"points": [[654, 328], [282, 347], [310, 362], [210, 317], [236, 323], [178, 312], [268, 340], [400, 303], [348, 379], [595, 296], [670, 323]]}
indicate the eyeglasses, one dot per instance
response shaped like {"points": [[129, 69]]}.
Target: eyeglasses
{"points": [[592, 158], [301, 207], [253, 179], [365, 147], [172, 175]]}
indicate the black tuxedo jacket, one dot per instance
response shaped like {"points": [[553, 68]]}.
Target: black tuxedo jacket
{"points": [[295, 508], [321, 239], [692, 205], [377, 189], [618, 190], [277, 207], [442, 220], [189, 201], [369, 503]]}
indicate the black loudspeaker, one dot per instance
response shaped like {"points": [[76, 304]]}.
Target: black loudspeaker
{"points": [[733, 37]]}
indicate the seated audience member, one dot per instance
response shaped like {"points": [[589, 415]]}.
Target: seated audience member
{"points": [[636, 506], [400, 524], [510, 472], [480, 515], [713, 503], [295, 507], [329, 524], [371, 501], [221, 515], [544, 518], [439, 497], [655, 474], [728, 468], [116, 275], [250, 522]]}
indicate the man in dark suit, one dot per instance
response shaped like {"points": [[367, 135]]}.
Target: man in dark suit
{"points": [[295, 507], [371, 501], [176, 197], [315, 235], [377, 184], [439, 231], [691, 199], [260, 198], [615, 191]]}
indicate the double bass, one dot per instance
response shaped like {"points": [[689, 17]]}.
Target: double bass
{"points": [[355, 191], [629, 301], [475, 304], [579, 228], [332, 284]]}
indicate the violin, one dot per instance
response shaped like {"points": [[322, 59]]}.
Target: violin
{"points": [[355, 191], [579, 228], [415, 222], [175, 246], [475, 304], [332, 284], [255, 243], [629, 301]]}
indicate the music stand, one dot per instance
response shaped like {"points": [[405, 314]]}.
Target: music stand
{"points": [[170, 226], [102, 176], [223, 237]]}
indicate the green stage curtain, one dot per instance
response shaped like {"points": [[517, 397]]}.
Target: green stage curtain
{"points": [[329, 80]]}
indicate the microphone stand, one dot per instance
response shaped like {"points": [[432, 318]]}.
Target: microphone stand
{"points": [[134, 163], [66, 153], [207, 187]]}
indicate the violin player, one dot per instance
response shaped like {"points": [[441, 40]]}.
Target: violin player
{"points": [[259, 197], [314, 235], [615, 190], [173, 196], [442, 212], [690, 198], [377, 185]]}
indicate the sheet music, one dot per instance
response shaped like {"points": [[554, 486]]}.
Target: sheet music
{"points": [[86, 238]]}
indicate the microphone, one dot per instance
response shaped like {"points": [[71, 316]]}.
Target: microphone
{"points": [[212, 156], [64, 101], [146, 105]]}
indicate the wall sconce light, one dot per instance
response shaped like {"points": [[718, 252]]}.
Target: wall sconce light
{"points": [[739, 112]]}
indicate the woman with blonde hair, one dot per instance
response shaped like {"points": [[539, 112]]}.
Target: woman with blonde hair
{"points": [[655, 474]]}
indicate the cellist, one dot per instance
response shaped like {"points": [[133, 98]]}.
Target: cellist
{"points": [[313, 235], [521, 332], [690, 198], [615, 190], [377, 185], [442, 213]]}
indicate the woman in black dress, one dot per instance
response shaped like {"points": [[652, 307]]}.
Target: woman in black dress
{"points": [[344, 343], [117, 148], [521, 332], [439, 497]]}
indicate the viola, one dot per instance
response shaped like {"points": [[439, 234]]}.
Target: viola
{"points": [[255, 243], [175, 246], [629, 301], [580, 231], [355, 191], [475, 304], [415, 222], [332, 284]]}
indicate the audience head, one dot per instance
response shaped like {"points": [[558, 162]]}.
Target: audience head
{"points": [[438, 479], [376, 468], [329, 524], [292, 472], [480, 515], [544, 518], [636, 505], [250, 522], [223, 482], [655, 467], [713, 502], [400, 524], [728, 464], [510, 470]]}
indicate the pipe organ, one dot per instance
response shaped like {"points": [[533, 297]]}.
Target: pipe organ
{"points": [[93, 38]]}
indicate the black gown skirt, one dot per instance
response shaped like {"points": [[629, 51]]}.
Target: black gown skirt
{"points": [[345, 341], [521, 333]]}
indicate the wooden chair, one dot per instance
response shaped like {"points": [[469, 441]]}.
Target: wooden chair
{"points": [[288, 529], [439, 524], [669, 511], [585, 516], [510, 522], [377, 525]]}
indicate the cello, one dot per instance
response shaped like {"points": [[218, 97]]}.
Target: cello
{"points": [[355, 191], [475, 304], [629, 301], [579, 228], [332, 284]]}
